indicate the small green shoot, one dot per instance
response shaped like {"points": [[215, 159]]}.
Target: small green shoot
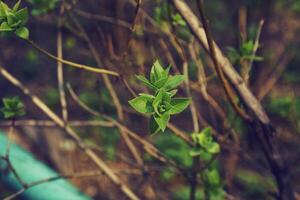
{"points": [[162, 103], [13, 20], [245, 52], [13, 107]]}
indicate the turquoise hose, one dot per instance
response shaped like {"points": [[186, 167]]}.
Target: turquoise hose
{"points": [[31, 170]]}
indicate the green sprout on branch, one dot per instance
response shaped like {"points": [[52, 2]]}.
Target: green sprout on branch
{"points": [[162, 104], [245, 52], [206, 148], [204, 143], [13, 107], [13, 20]]}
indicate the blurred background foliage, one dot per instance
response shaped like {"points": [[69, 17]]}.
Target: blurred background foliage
{"points": [[274, 79]]}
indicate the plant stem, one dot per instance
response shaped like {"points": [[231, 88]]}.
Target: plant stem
{"points": [[72, 64]]}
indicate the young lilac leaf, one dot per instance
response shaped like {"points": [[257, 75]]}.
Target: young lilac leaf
{"points": [[142, 104], [7, 114], [166, 97], [4, 9], [233, 54], [162, 120], [165, 73], [255, 58], [213, 148], [195, 137], [5, 27], [16, 6], [13, 107], [146, 82], [22, 15], [161, 82], [153, 126], [205, 140], [178, 105], [156, 72], [23, 33], [172, 92], [195, 152], [12, 20], [157, 101], [247, 48], [206, 131], [212, 177], [174, 81], [147, 95]]}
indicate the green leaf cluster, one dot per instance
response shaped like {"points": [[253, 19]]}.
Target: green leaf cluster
{"points": [[166, 16], [205, 148], [42, 6], [14, 20], [204, 142], [162, 104], [13, 107], [244, 52]]}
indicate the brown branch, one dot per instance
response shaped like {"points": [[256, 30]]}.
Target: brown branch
{"points": [[60, 74], [49, 123], [199, 33], [71, 133], [261, 124], [213, 54], [152, 150], [72, 64], [111, 90]]}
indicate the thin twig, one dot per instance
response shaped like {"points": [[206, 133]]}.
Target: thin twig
{"points": [[111, 90], [60, 75], [72, 64], [147, 146], [246, 95], [255, 48], [218, 69], [49, 123], [71, 133]]}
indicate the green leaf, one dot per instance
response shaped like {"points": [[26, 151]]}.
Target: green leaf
{"points": [[212, 178], [161, 82], [205, 139], [7, 113], [158, 99], [16, 6], [146, 82], [4, 9], [22, 15], [156, 72], [207, 131], [161, 103], [254, 58], [153, 126], [12, 20], [174, 81], [147, 95], [247, 48], [5, 27], [178, 105], [162, 120], [195, 152], [213, 148], [172, 92], [13, 107], [233, 54], [22, 32], [142, 104]]}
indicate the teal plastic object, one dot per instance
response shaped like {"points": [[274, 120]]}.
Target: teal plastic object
{"points": [[30, 170]]}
